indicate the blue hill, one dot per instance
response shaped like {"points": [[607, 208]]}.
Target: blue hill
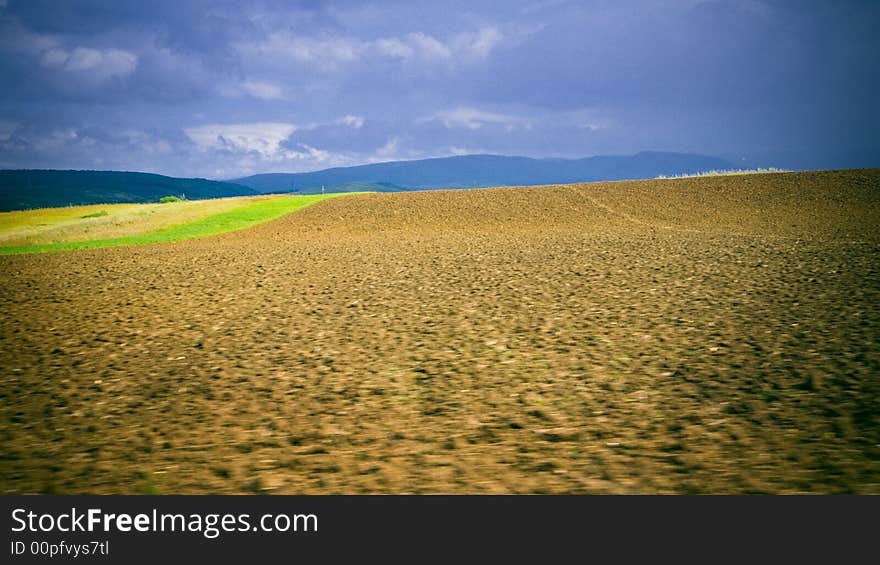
{"points": [[470, 171]]}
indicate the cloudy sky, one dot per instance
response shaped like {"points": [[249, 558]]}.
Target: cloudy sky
{"points": [[221, 89]]}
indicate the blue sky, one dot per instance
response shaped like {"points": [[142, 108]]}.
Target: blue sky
{"points": [[222, 89]]}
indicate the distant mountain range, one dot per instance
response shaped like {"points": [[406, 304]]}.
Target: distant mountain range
{"points": [[24, 189], [469, 171]]}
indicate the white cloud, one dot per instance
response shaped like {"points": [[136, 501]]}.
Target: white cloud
{"points": [[356, 122], [55, 57], [312, 153], [472, 118], [425, 46], [304, 158], [262, 137], [390, 150], [324, 53], [307, 158], [145, 142], [478, 44], [263, 141], [100, 64], [58, 137], [521, 118], [327, 53], [263, 90], [394, 48]]}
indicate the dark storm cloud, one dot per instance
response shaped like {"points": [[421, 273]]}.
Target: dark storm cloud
{"points": [[223, 88]]}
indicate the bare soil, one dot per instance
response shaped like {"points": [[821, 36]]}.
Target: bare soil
{"points": [[705, 335]]}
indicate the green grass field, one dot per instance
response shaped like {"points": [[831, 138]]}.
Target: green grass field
{"points": [[236, 214]]}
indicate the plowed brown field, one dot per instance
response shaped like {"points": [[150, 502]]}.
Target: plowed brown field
{"points": [[708, 335]]}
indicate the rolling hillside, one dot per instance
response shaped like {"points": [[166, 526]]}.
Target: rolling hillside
{"points": [[469, 171], [26, 189], [711, 335]]}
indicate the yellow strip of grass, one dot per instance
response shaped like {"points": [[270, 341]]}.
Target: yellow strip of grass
{"points": [[255, 211], [71, 223]]}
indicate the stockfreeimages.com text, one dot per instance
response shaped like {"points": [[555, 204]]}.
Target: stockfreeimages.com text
{"points": [[209, 525]]}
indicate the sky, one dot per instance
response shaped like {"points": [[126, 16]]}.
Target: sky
{"points": [[223, 89]]}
